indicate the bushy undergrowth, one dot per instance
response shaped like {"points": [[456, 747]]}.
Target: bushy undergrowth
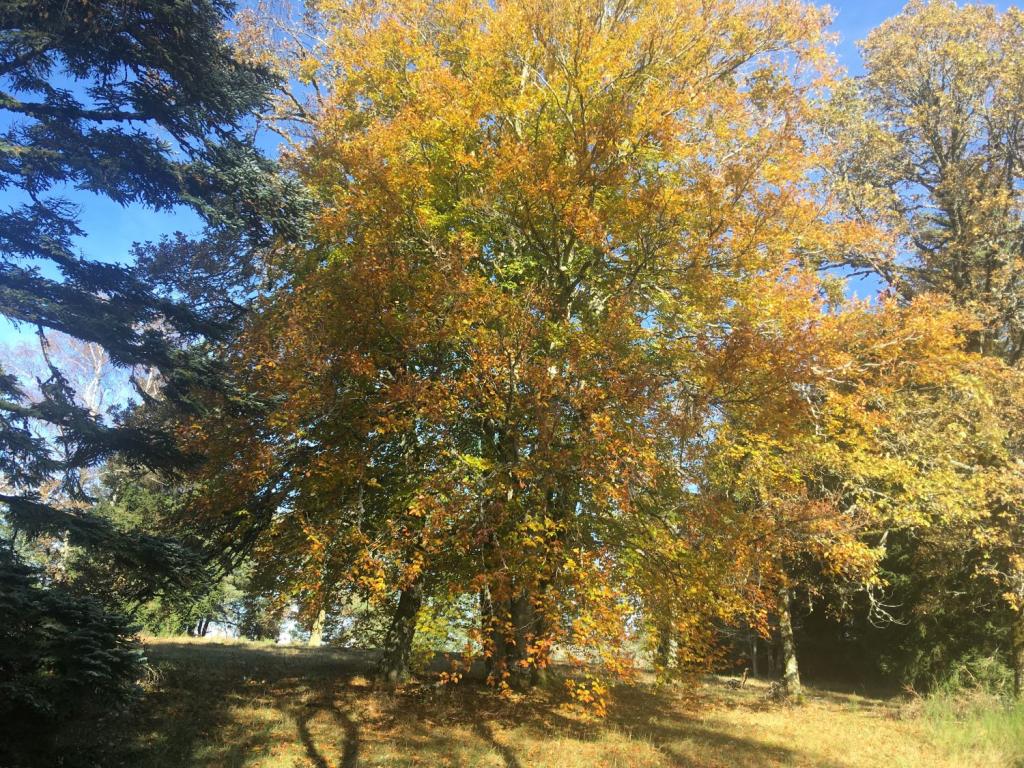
{"points": [[66, 663], [976, 673]]}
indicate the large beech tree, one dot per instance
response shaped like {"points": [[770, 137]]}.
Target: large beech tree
{"points": [[559, 342]]}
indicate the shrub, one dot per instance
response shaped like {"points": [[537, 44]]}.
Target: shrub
{"points": [[977, 673], [66, 662]]}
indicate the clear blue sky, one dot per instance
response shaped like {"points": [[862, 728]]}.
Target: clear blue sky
{"points": [[855, 18], [112, 229]]}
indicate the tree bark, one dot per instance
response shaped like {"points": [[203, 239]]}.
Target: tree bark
{"points": [[663, 654], [490, 629], [1017, 653], [394, 663], [316, 634], [523, 675], [512, 625], [790, 669]]}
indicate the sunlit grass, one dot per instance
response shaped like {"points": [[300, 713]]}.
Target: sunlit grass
{"points": [[976, 728], [246, 706]]}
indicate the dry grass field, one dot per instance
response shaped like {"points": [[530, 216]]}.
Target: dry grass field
{"points": [[235, 705]]}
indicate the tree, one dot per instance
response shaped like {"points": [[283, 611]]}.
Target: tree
{"points": [[134, 102], [141, 102], [930, 153], [63, 659], [558, 243]]}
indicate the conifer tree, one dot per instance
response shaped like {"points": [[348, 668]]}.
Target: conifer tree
{"points": [[140, 102]]}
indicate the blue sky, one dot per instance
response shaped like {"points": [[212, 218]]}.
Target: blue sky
{"points": [[856, 18], [112, 229], [853, 20]]}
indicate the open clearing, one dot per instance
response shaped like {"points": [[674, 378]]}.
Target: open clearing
{"points": [[236, 704]]}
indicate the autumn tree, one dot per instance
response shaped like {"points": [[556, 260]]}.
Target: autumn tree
{"points": [[557, 243], [929, 152], [902, 438]]}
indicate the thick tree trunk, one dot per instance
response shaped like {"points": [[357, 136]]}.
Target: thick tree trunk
{"points": [[499, 628], [491, 629], [316, 634], [1017, 653], [754, 667], [394, 664], [523, 674], [790, 670], [512, 626]]}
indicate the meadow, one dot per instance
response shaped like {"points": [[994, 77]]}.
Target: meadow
{"points": [[235, 704]]}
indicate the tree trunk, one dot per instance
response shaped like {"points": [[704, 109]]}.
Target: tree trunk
{"points": [[394, 664], [490, 629], [1017, 653], [538, 676], [790, 670], [754, 669], [522, 635], [663, 654], [513, 626], [316, 635], [204, 626]]}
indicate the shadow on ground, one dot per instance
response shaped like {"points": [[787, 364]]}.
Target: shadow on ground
{"points": [[234, 706]]}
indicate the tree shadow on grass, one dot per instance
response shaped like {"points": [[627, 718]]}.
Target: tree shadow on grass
{"points": [[486, 732], [227, 705], [860, 702], [190, 715], [350, 747], [671, 725]]}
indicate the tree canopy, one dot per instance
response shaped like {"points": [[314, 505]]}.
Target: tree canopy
{"points": [[561, 342]]}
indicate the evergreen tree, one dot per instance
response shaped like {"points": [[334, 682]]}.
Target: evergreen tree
{"points": [[64, 659], [142, 102]]}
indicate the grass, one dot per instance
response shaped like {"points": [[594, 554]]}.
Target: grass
{"points": [[977, 727], [235, 705]]}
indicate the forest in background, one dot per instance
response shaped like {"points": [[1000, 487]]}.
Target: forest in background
{"points": [[538, 342]]}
